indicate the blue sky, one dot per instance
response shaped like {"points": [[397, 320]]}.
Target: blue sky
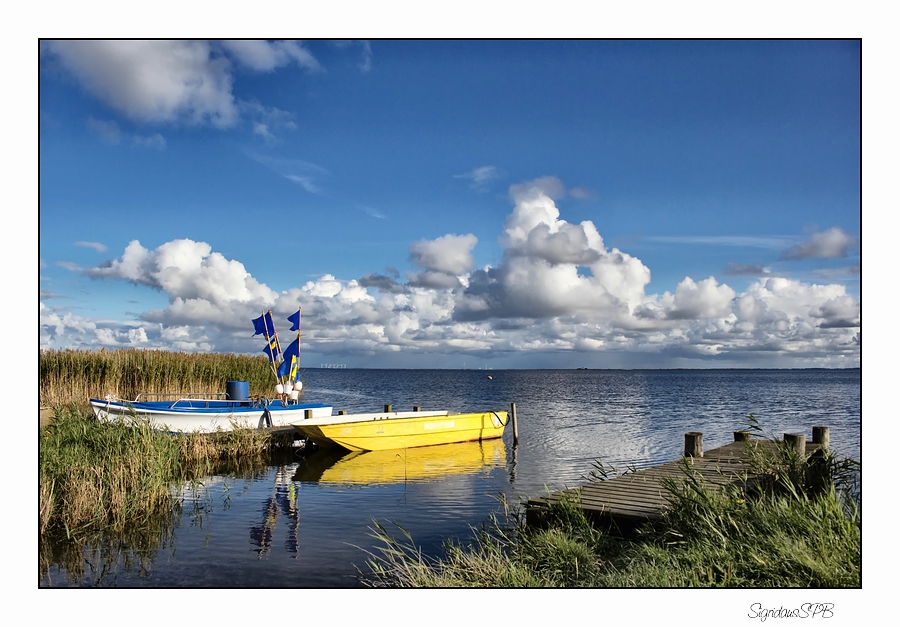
{"points": [[456, 203]]}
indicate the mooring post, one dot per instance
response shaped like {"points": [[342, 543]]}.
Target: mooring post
{"points": [[387, 409], [796, 441], [693, 444], [342, 412], [741, 436], [416, 408], [512, 415], [307, 413], [822, 437]]}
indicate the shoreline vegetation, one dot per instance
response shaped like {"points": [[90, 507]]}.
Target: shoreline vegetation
{"points": [[96, 476], [73, 376], [122, 487], [124, 483], [799, 527]]}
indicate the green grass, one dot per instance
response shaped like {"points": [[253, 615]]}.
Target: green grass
{"points": [[97, 476], [798, 528]]}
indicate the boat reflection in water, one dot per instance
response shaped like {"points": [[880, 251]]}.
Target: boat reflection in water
{"points": [[337, 466], [425, 463]]}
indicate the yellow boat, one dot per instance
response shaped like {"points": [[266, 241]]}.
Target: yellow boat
{"points": [[426, 463], [395, 430]]}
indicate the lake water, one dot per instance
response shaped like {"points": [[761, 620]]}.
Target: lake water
{"points": [[305, 521]]}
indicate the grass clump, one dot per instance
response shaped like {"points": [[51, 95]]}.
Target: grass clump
{"points": [[799, 527], [97, 476], [745, 539], [501, 556]]}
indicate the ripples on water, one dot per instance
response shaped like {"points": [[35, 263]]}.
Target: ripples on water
{"points": [[304, 521]]}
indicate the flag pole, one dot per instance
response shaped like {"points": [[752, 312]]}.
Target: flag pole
{"points": [[299, 314], [277, 345], [269, 342]]}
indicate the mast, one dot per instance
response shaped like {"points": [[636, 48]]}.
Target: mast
{"points": [[269, 342]]}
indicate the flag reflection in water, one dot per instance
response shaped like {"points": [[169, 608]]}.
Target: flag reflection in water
{"points": [[283, 501]]}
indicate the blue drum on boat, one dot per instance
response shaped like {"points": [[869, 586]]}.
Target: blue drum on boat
{"points": [[237, 390]]}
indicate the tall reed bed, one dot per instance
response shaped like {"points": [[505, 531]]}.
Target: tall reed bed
{"points": [[68, 376], [97, 476]]}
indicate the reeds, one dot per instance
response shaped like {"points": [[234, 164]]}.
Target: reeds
{"points": [[801, 527], [568, 552], [97, 476], [68, 376]]}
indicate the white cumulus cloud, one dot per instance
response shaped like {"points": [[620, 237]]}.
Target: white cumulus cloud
{"points": [[451, 253], [201, 284], [159, 81], [551, 267], [706, 299], [154, 81]]}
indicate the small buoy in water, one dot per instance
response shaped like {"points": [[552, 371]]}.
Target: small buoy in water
{"points": [[490, 377]]}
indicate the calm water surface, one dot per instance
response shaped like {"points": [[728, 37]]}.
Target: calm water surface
{"points": [[305, 521]]}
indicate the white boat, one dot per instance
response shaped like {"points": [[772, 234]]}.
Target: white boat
{"points": [[207, 415], [237, 409]]}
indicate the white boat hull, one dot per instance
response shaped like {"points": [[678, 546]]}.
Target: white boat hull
{"points": [[206, 420]]}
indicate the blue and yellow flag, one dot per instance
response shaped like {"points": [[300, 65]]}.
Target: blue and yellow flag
{"points": [[292, 349], [271, 349], [289, 368], [290, 353]]}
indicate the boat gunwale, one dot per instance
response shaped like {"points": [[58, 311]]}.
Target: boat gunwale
{"points": [[399, 415], [151, 408], [313, 428]]}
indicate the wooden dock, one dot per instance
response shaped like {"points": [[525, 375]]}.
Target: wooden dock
{"points": [[625, 502]]}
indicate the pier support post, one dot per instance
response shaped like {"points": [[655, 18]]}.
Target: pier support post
{"points": [[796, 441], [515, 422], [822, 436], [820, 475], [693, 444], [741, 436]]}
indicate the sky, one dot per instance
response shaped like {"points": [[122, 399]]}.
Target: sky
{"points": [[456, 203]]}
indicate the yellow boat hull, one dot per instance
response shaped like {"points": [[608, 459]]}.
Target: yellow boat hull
{"points": [[407, 430]]}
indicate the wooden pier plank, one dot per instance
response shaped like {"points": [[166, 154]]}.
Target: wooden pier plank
{"points": [[642, 495], [613, 495]]}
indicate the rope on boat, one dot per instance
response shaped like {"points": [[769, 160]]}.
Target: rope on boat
{"points": [[500, 420], [266, 419]]}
